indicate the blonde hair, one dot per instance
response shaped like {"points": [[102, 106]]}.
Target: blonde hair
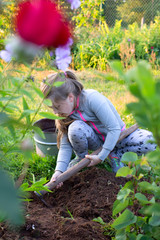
{"points": [[57, 87]]}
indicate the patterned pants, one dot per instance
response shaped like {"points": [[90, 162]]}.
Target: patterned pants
{"points": [[83, 138]]}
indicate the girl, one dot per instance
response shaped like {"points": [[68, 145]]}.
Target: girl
{"points": [[91, 122]]}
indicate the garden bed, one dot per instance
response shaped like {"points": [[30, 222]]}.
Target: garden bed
{"points": [[88, 195]]}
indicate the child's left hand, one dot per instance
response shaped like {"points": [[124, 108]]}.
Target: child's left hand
{"points": [[94, 160]]}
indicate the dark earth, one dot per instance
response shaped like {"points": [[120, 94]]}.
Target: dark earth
{"points": [[89, 194]]}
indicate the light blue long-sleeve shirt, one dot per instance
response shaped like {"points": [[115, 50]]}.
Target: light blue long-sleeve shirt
{"points": [[98, 109]]}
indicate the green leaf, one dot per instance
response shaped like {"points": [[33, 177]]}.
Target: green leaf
{"points": [[117, 67], [154, 220], [123, 172], [135, 90], [48, 102], [38, 186], [49, 115], [129, 157], [145, 186], [26, 93], [58, 84], [15, 81], [153, 157], [129, 185], [123, 194], [4, 118], [99, 220], [38, 131], [125, 219], [38, 91], [156, 232], [153, 209], [11, 108], [25, 107], [152, 200], [10, 205], [26, 113], [121, 234], [141, 221], [119, 206], [142, 75], [143, 237], [141, 198], [145, 79], [12, 130], [39, 69], [131, 236]]}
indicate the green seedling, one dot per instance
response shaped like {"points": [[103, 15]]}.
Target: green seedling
{"points": [[108, 230], [70, 214]]}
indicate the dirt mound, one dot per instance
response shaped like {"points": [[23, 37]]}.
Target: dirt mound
{"points": [[88, 195]]}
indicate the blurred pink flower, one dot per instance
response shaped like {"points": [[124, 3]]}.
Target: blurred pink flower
{"points": [[152, 47], [74, 3], [40, 22], [63, 58]]}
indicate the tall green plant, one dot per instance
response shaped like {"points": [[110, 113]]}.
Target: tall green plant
{"points": [[138, 200]]}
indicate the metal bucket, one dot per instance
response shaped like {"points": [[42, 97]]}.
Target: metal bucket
{"points": [[47, 146]]}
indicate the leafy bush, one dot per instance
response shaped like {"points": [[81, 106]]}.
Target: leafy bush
{"points": [[97, 46], [138, 201]]}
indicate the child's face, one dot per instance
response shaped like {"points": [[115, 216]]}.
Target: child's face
{"points": [[64, 107]]}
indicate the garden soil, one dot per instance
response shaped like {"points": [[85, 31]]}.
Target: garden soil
{"points": [[87, 195]]}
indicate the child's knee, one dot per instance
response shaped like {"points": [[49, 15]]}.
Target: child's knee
{"points": [[73, 127], [74, 130]]}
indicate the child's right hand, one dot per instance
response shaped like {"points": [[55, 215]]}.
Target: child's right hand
{"points": [[55, 176]]}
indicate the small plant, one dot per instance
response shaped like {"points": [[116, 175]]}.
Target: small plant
{"points": [[138, 201], [37, 186], [152, 59], [70, 214], [108, 230], [127, 54]]}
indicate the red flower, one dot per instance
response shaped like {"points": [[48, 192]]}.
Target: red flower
{"points": [[152, 47], [39, 22]]}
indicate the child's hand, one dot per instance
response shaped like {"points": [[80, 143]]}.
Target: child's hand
{"points": [[55, 176], [94, 160]]}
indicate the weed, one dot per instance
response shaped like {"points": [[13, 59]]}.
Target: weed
{"points": [[127, 54]]}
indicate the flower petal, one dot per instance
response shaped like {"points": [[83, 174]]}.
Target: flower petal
{"points": [[5, 55], [74, 4], [63, 58]]}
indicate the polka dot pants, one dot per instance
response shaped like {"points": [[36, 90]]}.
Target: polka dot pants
{"points": [[140, 142], [83, 138]]}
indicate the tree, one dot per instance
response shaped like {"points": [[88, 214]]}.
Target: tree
{"points": [[110, 11], [133, 11]]}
